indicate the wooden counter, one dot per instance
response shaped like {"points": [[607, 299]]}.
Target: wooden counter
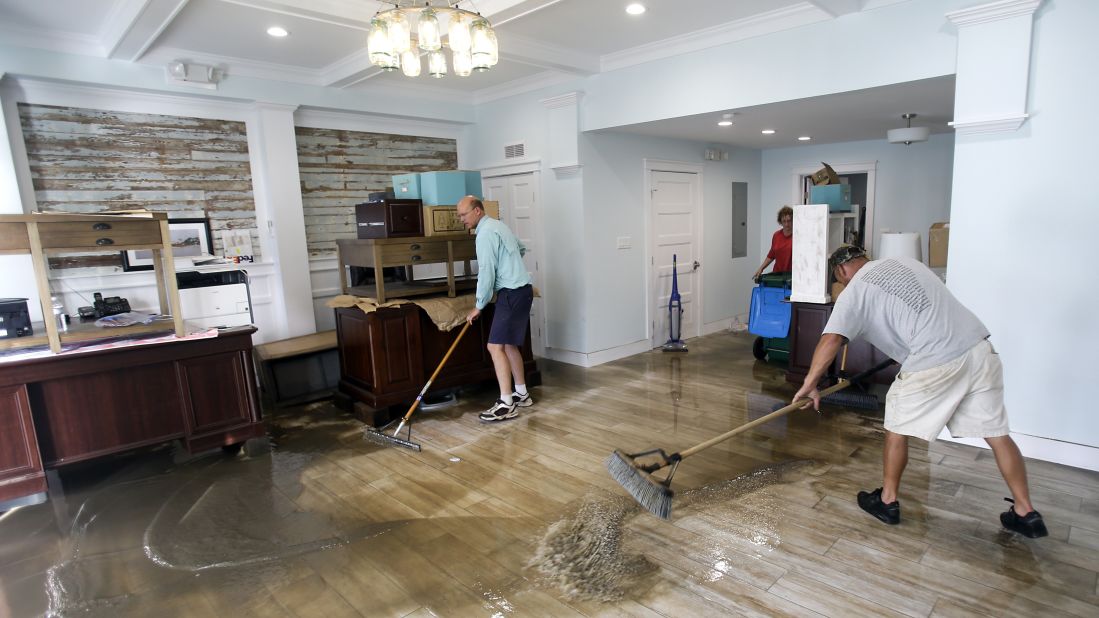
{"points": [[67, 408], [387, 355], [378, 253]]}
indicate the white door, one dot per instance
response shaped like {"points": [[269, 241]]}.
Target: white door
{"points": [[518, 197], [675, 232]]}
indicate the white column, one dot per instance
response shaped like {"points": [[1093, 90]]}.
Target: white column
{"points": [[18, 278], [810, 255], [276, 186], [564, 133]]}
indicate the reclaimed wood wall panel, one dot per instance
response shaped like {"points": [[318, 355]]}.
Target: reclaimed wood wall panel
{"points": [[88, 161], [341, 168]]}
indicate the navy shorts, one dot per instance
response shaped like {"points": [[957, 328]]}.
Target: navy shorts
{"points": [[512, 313]]}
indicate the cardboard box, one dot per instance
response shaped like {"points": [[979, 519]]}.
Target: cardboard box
{"points": [[825, 176], [838, 197], [938, 238], [444, 219], [445, 188], [406, 186], [837, 289]]}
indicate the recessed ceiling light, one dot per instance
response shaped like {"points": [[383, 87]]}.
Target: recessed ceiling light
{"points": [[635, 9], [804, 138], [726, 120], [277, 31], [768, 131]]}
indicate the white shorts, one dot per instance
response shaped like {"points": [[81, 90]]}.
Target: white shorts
{"points": [[965, 395]]}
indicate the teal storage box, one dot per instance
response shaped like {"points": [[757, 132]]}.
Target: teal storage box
{"points": [[838, 197], [447, 188], [406, 186]]}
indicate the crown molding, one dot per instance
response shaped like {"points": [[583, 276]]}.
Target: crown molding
{"points": [[1003, 124], [993, 11], [569, 99], [335, 120], [523, 85], [800, 14], [567, 171], [50, 40]]}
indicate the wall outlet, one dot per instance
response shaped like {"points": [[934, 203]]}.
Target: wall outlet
{"points": [[624, 242]]}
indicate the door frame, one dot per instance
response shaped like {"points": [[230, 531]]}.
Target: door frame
{"points": [[665, 165], [533, 167], [869, 168]]}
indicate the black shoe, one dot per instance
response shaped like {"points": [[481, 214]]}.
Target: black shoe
{"points": [[1029, 525], [870, 501]]}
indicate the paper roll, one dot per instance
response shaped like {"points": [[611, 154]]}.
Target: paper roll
{"points": [[900, 244]]}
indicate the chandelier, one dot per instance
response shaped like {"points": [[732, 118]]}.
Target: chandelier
{"points": [[393, 45]]}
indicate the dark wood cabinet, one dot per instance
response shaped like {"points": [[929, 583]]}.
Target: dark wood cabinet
{"points": [[63, 409], [807, 322], [387, 355], [390, 218]]}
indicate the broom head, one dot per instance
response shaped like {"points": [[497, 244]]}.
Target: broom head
{"points": [[638, 481], [379, 437]]}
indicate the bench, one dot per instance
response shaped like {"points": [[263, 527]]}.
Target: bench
{"points": [[298, 369]]}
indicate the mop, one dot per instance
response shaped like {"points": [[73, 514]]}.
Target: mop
{"points": [[675, 316], [655, 494], [378, 436]]}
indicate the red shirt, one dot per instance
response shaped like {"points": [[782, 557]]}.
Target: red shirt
{"points": [[782, 250]]}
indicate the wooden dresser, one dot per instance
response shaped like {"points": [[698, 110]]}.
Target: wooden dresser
{"points": [[807, 322]]}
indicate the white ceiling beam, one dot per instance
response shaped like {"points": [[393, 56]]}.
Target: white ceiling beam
{"points": [[541, 54], [135, 25], [837, 8]]}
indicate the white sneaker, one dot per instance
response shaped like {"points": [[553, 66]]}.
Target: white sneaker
{"points": [[523, 401], [499, 411]]}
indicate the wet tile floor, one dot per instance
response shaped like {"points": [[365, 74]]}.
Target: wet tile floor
{"points": [[521, 518]]}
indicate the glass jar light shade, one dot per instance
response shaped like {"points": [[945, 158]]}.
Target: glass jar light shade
{"points": [[427, 29], [410, 63], [378, 46], [436, 64], [494, 56], [480, 44], [463, 63], [458, 33], [400, 33]]}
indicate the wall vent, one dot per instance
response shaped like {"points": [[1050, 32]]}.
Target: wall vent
{"points": [[514, 151]]}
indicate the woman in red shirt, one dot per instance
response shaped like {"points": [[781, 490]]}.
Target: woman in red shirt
{"points": [[782, 245]]}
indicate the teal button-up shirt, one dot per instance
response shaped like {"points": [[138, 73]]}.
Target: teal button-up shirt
{"points": [[499, 260]]}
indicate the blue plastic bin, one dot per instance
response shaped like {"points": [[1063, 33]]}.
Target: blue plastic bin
{"points": [[406, 186], [446, 188], [838, 197], [768, 315]]}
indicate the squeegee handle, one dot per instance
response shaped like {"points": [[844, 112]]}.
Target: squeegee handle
{"points": [[446, 357], [797, 405]]}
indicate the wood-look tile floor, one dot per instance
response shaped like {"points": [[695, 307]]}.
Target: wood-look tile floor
{"points": [[329, 525]]}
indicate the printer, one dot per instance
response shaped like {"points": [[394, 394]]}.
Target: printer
{"points": [[215, 298], [15, 319]]}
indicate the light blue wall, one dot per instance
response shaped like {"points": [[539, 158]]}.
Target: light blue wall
{"points": [[615, 206], [894, 44], [913, 182], [1023, 249]]}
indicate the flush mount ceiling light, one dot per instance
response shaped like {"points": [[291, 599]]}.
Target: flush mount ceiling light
{"points": [[635, 9], [726, 120], [768, 131], [277, 31], [804, 138], [393, 45], [909, 133]]}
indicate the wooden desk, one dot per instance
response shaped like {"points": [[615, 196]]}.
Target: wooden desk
{"points": [[377, 253], [68, 408]]}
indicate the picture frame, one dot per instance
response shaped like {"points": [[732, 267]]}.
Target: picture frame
{"points": [[190, 239]]}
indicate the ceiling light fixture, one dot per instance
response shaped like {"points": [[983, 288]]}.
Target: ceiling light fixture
{"points": [[392, 44], [909, 133], [635, 9], [726, 120], [768, 131], [277, 31], [804, 138]]}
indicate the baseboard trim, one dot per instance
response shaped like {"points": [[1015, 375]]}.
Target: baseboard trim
{"points": [[1046, 449], [591, 359]]}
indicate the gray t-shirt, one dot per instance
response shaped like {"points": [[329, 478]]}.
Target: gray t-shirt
{"points": [[902, 308]]}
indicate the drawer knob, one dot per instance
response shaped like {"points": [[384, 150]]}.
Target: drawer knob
{"points": [[104, 241], [99, 227], [414, 247], [416, 258]]}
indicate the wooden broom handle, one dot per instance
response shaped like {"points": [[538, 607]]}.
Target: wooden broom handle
{"points": [[446, 357]]}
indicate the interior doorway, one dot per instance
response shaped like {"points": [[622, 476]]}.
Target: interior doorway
{"points": [[862, 178], [675, 207]]}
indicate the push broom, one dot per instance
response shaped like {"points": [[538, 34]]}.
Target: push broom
{"points": [[378, 436], [656, 494]]}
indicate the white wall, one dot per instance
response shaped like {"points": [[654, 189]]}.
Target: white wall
{"points": [[913, 183], [1023, 246], [615, 205]]}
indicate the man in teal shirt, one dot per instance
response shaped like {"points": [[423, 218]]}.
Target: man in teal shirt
{"points": [[500, 269]]}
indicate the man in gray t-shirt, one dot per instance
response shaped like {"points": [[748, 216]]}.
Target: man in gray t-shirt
{"points": [[950, 375]]}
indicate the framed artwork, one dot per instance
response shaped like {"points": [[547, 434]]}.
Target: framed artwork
{"points": [[190, 239]]}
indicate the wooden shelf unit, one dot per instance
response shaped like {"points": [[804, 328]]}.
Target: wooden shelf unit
{"points": [[378, 253], [43, 234]]}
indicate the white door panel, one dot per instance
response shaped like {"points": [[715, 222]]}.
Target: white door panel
{"points": [[675, 217]]}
